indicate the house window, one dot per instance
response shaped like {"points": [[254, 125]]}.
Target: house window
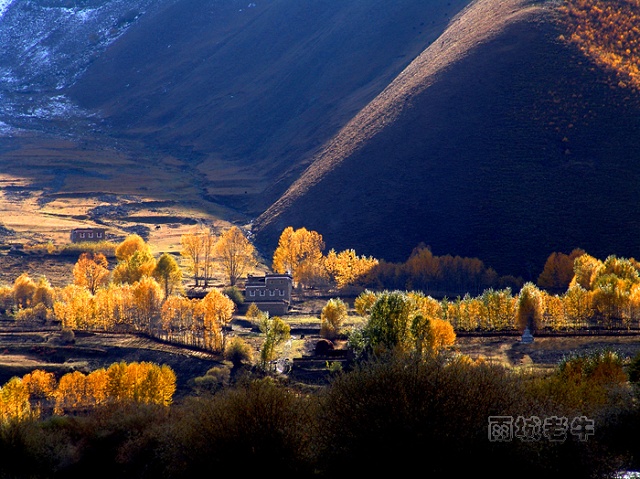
{"points": [[262, 293], [272, 293], [98, 235], [81, 235], [90, 235], [282, 292], [252, 293]]}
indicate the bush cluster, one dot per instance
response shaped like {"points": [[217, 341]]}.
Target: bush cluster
{"points": [[388, 416]]}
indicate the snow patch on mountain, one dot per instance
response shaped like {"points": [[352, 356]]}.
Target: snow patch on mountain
{"points": [[4, 4], [45, 45]]}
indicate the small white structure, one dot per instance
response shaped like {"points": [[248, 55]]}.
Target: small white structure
{"points": [[527, 337], [81, 235]]}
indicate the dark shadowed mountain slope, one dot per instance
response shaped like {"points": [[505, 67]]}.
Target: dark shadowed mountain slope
{"points": [[498, 142], [248, 92]]}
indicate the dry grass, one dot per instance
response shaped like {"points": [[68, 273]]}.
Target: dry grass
{"points": [[545, 352], [48, 187]]}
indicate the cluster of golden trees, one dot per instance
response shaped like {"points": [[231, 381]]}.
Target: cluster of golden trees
{"points": [[140, 294], [143, 294], [609, 33], [440, 275], [300, 253], [39, 392], [233, 250], [600, 293]]}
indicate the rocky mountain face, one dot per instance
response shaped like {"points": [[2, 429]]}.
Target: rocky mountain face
{"points": [[465, 125]]}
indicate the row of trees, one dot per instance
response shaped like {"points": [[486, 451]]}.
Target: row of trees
{"points": [[601, 293], [139, 294], [232, 250], [300, 252], [441, 276], [40, 393], [144, 295]]}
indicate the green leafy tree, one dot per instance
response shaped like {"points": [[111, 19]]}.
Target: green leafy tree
{"points": [[276, 331], [389, 323], [168, 273], [238, 351]]}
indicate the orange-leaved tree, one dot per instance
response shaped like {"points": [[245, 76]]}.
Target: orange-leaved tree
{"points": [[558, 271], [91, 271]]}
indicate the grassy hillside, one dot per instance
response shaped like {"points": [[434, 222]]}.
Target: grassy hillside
{"points": [[246, 95], [520, 147]]}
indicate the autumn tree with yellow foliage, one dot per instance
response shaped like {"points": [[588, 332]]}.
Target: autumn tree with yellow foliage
{"points": [[91, 271], [217, 310], [530, 308], [332, 316], [24, 288], [299, 253], [236, 254], [346, 267], [197, 249], [14, 401], [147, 296], [135, 260], [178, 316]]}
